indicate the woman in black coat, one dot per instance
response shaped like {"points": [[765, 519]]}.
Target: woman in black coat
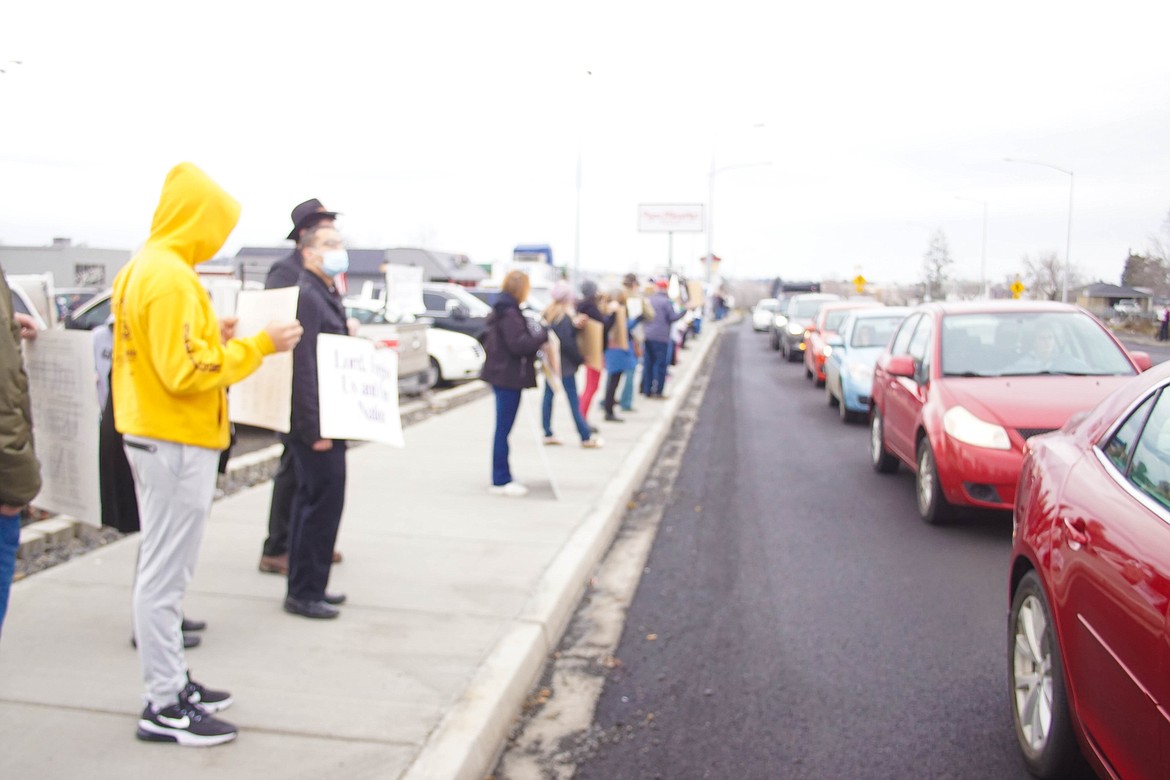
{"points": [[511, 347]]}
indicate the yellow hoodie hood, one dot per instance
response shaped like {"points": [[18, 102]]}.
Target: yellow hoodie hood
{"points": [[194, 217]]}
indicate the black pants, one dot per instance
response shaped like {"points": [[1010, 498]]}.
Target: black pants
{"points": [[116, 482], [284, 485], [611, 385], [315, 517]]}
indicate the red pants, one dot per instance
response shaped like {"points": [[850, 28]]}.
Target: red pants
{"points": [[592, 380]]}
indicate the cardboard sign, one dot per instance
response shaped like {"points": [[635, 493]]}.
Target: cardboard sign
{"points": [[619, 332], [589, 344], [357, 390], [550, 361], [264, 399]]}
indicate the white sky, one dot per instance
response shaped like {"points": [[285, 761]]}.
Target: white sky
{"points": [[457, 125]]}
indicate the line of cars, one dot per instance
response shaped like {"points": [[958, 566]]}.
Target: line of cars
{"points": [[1035, 408]]}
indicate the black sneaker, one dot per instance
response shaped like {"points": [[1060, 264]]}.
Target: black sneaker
{"points": [[212, 701], [185, 723]]}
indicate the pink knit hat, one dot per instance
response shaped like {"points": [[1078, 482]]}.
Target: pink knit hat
{"points": [[561, 292]]}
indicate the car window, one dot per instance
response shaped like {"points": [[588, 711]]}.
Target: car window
{"points": [[804, 309], [834, 319], [365, 316], [1119, 448], [1149, 468], [902, 340], [920, 341], [93, 316], [435, 302], [873, 331], [18, 304]]}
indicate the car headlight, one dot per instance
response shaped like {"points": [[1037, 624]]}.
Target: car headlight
{"points": [[779, 320], [969, 429], [826, 351], [861, 372], [795, 329]]}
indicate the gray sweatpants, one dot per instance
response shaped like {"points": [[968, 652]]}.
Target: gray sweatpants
{"points": [[175, 485]]}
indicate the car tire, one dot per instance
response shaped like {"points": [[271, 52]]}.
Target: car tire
{"points": [[808, 372], [933, 507], [775, 342], [792, 354], [1040, 713], [843, 412], [436, 375], [879, 457]]}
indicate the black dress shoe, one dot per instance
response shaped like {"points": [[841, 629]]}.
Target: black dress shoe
{"points": [[189, 641], [335, 598], [613, 418], [311, 609], [193, 625]]}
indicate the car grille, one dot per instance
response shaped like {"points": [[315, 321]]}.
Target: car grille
{"points": [[1027, 433]]}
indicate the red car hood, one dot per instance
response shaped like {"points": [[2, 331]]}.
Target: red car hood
{"points": [[1029, 401]]}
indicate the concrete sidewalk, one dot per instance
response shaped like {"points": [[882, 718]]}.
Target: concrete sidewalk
{"points": [[455, 600]]}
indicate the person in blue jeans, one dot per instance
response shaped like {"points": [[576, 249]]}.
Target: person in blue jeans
{"points": [[20, 473], [509, 367], [658, 340], [564, 322]]}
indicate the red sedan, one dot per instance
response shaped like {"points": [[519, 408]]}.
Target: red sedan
{"points": [[826, 323], [1088, 641], [962, 386]]}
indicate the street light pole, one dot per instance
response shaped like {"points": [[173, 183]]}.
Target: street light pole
{"points": [[1068, 235], [983, 250]]}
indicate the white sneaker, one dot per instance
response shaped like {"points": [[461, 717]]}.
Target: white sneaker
{"points": [[593, 443], [513, 489]]}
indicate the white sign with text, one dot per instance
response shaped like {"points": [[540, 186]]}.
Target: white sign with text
{"points": [[357, 390], [670, 218]]}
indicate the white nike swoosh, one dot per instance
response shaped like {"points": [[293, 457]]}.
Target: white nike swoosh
{"points": [[175, 723]]}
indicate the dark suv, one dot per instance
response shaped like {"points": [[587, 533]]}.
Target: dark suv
{"points": [[795, 319]]}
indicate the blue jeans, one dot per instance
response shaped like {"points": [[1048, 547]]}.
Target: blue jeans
{"points": [[507, 404], [627, 398], [570, 384], [9, 544], [657, 356]]}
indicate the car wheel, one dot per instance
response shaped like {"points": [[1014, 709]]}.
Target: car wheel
{"points": [[883, 462], [793, 355], [1039, 701], [434, 374], [843, 412], [932, 504], [775, 342], [808, 373]]}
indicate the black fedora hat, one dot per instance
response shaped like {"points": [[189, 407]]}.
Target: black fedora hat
{"points": [[308, 214]]}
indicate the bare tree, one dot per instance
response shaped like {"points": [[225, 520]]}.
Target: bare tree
{"points": [[1146, 271], [1044, 277], [936, 263]]}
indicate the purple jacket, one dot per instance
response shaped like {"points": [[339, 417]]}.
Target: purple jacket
{"points": [[658, 329]]}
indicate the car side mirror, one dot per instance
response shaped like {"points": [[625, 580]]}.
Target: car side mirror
{"points": [[1144, 363], [457, 310], [900, 365]]}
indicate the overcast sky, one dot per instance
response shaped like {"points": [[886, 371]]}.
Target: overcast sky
{"points": [[844, 134]]}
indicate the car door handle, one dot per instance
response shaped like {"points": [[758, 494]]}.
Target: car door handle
{"points": [[1076, 531]]}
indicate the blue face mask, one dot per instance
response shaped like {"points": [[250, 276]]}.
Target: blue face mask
{"points": [[335, 261]]}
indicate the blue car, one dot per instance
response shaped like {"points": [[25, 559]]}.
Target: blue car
{"points": [[853, 352]]}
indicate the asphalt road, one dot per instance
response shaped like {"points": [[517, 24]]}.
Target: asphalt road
{"points": [[796, 619]]}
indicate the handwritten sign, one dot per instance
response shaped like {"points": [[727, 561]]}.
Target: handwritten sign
{"points": [[63, 391], [357, 389], [264, 399]]}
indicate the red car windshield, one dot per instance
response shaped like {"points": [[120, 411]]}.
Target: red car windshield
{"points": [[1029, 344]]}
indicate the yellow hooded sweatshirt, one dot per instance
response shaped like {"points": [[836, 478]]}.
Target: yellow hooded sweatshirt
{"points": [[170, 368]]}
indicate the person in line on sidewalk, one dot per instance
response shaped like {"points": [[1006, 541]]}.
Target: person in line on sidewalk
{"points": [[639, 313], [618, 348], [286, 272], [20, 473], [587, 305], [173, 361], [1164, 324], [115, 481], [658, 339], [319, 464], [511, 347], [565, 322]]}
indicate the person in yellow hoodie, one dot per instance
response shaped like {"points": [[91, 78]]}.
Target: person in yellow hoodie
{"points": [[172, 362]]}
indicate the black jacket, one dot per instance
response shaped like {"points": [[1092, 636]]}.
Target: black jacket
{"points": [[571, 358], [285, 272], [320, 310], [511, 346]]}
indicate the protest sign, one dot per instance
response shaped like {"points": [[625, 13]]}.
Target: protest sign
{"points": [[357, 390], [65, 413], [264, 399]]}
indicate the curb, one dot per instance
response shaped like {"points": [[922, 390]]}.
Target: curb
{"points": [[466, 742]]}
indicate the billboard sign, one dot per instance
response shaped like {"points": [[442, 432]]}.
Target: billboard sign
{"points": [[670, 218]]}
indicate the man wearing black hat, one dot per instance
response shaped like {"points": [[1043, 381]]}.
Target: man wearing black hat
{"points": [[286, 272]]}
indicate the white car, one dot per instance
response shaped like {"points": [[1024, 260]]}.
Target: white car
{"points": [[763, 312], [454, 356]]}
